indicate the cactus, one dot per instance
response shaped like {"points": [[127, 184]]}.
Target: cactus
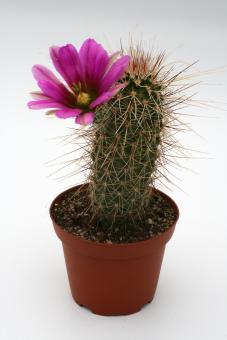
{"points": [[132, 101], [126, 142]]}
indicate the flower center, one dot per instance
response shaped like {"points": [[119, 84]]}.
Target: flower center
{"points": [[83, 98]]}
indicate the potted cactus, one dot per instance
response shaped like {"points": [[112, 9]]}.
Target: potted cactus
{"points": [[115, 225]]}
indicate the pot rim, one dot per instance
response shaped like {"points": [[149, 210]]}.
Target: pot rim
{"points": [[118, 245]]}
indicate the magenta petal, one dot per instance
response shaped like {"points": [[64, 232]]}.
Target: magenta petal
{"points": [[115, 73], [70, 61], [85, 118], [49, 84], [56, 92], [112, 58], [94, 60], [43, 73], [67, 113], [67, 62], [44, 104], [54, 53], [105, 96], [38, 95]]}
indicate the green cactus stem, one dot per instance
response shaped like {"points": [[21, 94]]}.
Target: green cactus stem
{"points": [[127, 135]]}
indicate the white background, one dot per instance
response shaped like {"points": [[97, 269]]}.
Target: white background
{"points": [[35, 302]]}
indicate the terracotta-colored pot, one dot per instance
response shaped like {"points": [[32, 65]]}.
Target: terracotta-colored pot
{"points": [[113, 279]]}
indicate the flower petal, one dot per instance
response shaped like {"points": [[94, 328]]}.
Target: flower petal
{"points": [[112, 58], [105, 96], [67, 113], [56, 92], [67, 62], [85, 118], [94, 60], [38, 95], [44, 104], [115, 73], [46, 81], [54, 54], [43, 73]]}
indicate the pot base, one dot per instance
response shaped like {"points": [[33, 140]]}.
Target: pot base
{"points": [[110, 313]]}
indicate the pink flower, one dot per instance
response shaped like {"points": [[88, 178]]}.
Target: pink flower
{"points": [[91, 77]]}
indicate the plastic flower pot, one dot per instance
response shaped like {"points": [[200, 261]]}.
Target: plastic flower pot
{"points": [[113, 279]]}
